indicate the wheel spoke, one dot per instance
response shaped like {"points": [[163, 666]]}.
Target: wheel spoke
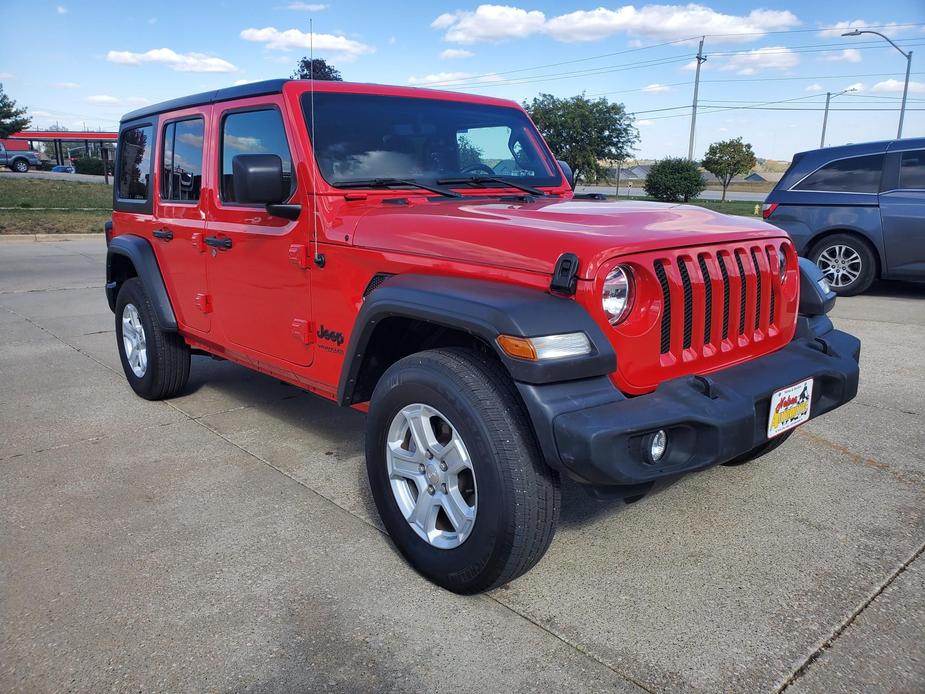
{"points": [[421, 431], [424, 514], [404, 463], [456, 509]]}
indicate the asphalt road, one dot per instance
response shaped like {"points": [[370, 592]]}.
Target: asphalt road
{"points": [[226, 540], [705, 195]]}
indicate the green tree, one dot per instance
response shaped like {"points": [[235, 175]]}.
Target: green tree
{"points": [[13, 119], [674, 180], [469, 154], [584, 132], [317, 68], [727, 159]]}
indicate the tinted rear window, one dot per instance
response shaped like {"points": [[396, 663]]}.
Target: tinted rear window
{"points": [[852, 175], [912, 170], [181, 168], [135, 163]]}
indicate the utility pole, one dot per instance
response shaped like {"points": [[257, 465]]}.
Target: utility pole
{"points": [[825, 118], [701, 58], [908, 57]]}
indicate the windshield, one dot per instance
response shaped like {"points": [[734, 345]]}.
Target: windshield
{"points": [[364, 137]]}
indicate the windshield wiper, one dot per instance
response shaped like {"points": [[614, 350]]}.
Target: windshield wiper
{"points": [[389, 182], [493, 179]]}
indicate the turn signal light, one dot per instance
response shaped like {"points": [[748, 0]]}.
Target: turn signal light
{"points": [[546, 346]]}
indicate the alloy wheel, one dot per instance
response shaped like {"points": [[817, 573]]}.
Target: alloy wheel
{"points": [[431, 476], [133, 339], [840, 264]]}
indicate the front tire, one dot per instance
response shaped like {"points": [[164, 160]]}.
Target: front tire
{"points": [[847, 263], [455, 470], [156, 362]]}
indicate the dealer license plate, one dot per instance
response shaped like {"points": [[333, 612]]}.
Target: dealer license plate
{"points": [[790, 407]]}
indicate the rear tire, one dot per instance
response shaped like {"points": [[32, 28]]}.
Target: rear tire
{"points": [[156, 362], [20, 166], [847, 263], [758, 451], [513, 500]]}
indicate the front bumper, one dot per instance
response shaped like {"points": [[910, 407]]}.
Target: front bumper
{"points": [[597, 436]]}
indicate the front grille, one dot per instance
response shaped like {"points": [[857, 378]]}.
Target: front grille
{"points": [[748, 273]]}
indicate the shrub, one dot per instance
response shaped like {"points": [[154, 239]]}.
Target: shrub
{"points": [[89, 165], [674, 180]]}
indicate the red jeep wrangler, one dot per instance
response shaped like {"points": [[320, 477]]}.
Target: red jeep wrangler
{"points": [[421, 255]]}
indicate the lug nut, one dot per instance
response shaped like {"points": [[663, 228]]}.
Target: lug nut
{"points": [[443, 488], [421, 468], [430, 489], [430, 456], [443, 466]]}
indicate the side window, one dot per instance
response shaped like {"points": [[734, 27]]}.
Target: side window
{"points": [[253, 132], [135, 163], [912, 170], [181, 164], [852, 175]]}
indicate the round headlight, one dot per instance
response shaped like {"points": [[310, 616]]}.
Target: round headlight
{"points": [[617, 296]]}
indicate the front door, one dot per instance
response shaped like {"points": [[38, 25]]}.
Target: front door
{"points": [[180, 219], [902, 210], [258, 277]]}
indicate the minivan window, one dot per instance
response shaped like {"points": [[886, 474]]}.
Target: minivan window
{"points": [[912, 170], [851, 175], [135, 163], [253, 132], [181, 163]]}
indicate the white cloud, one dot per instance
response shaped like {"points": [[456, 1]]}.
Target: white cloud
{"points": [[61, 9], [339, 46], [839, 28], [656, 88], [306, 6], [40, 114], [848, 55], [896, 86], [489, 23], [7, 76], [667, 22], [814, 88], [644, 123], [181, 62], [767, 58], [440, 77], [856, 87], [64, 85], [451, 53], [102, 99]]}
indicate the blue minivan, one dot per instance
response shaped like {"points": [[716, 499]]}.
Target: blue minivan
{"points": [[857, 211]]}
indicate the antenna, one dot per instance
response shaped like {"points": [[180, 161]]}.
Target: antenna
{"points": [[318, 258]]}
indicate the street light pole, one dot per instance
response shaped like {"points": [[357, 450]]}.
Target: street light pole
{"points": [[825, 118], [908, 57], [700, 60]]}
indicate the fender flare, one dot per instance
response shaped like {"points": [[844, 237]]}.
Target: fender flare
{"points": [[486, 310], [142, 257]]}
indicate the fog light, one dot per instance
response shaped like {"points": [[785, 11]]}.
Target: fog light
{"points": [[657, 445]]}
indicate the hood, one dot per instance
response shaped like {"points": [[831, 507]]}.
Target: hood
{"points": [[531, 236]]}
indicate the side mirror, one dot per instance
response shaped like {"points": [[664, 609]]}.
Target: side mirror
{"points": [[258, 178], [567, 170]]}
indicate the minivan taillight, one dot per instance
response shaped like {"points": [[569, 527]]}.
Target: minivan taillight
{"points": [[767, 209]]}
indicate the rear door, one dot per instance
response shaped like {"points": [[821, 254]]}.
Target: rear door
{"points": [[179, 229], [258, 269], [902, 213]]}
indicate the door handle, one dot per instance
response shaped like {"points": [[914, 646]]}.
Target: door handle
{"points": [[165, 234], [218, 242]]}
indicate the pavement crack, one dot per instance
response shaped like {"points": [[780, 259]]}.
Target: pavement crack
{"points": [[846, 624]]}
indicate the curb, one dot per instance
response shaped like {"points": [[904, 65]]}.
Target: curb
{"points": [[41, 238]]}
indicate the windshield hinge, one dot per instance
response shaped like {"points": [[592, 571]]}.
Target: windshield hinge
{"points": [[565, 275]]}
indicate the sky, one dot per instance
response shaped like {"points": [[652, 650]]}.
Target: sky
{"points": [[769, 65]]}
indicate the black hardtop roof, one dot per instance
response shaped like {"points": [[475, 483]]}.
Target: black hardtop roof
{"points": [[241, 91]]}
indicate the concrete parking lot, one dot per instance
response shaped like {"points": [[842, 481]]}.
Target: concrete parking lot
{"points": [[226, 540]]}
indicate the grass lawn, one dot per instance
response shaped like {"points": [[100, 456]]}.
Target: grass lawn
{"points": [[742, 208], [25, 195]]}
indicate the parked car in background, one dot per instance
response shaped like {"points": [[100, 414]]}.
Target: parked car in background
{"points": [[17, 156], [62, 168], [856, 211]]}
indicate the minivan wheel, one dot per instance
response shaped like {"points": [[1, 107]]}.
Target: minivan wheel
{"points": [[20, 166], [455, 470], [156, 362], [847, 263]]}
